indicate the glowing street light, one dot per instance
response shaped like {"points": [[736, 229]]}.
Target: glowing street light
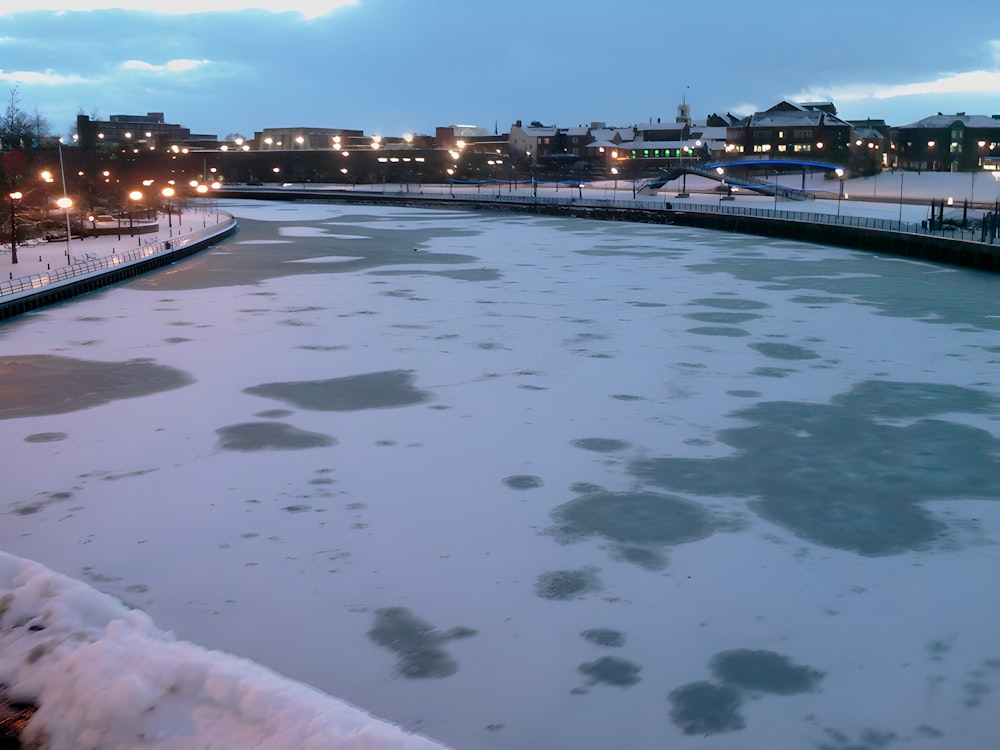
{"points": [[14, 198], [840, 194], [168, 193], [135, 196], [65, 204]]}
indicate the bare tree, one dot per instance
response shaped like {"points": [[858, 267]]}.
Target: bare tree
{"points": [[40, 127], [19, 129]]}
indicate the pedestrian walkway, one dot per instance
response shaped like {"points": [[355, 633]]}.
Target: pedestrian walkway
{"points": [[51, 272], [37, 257]]}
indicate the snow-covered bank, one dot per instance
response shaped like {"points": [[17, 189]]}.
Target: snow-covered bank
{"points": [[104, 675]]}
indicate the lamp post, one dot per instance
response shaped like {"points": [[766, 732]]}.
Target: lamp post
{"points": [[14, 198], [840, 193], [168, 193], [134, 197], [65, 204], [203, 190], [901, 176]]}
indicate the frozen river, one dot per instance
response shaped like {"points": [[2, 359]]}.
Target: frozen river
{"points": [[515, 482]]}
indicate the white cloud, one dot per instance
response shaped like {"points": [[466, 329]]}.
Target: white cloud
{"points": [[972, 82], [743, 109], [173, 66], [39, 77], [308, 8]]}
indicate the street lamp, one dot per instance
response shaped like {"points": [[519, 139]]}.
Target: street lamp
{"points": [[168, 193], [901, 176], [840, 194], [135, 196], [65, 204], [14, 198], [203, 190]]}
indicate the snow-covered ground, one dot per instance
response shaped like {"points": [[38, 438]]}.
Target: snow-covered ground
{"points": [[540, 483], [105, 676]]}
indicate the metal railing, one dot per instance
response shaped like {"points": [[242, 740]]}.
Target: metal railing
{"points": [[89, 266], [811, 217], [983, 231]]}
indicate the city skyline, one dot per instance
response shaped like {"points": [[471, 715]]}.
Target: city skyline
{"points": [[390, 67]]}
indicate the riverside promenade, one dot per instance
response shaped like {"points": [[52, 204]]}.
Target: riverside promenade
{"points": [[897, 213], [48, 272], [869, 214]]}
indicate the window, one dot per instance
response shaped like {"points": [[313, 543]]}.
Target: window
{"points": [[802, 133], [801, 147], [782, 147]]}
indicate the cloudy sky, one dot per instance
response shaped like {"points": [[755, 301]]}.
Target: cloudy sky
{"points": [[396, 66]]}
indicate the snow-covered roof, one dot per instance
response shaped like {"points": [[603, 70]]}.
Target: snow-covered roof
{"points": [[714, 133], [542, 132], [610, 134], [689, 143], [864, 131], [602, 144], [794, 117], [660, 126], [945, 121]]}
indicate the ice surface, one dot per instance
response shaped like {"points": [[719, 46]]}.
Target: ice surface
{"points": [[802, 442]]}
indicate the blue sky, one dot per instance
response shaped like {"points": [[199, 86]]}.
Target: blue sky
{"points": [[396, 66]]}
